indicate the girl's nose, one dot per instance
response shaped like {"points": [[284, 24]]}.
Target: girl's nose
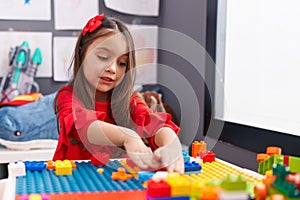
{"points": [[112, 68]]}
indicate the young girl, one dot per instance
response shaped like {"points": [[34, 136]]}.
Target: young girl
{"points": [[98, 112]]}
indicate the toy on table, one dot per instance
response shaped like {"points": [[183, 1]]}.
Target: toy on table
{"points": [[214, 180], [282, 175]]}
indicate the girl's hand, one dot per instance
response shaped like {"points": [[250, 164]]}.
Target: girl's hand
{"points": [[139, 153], [170, 156]]}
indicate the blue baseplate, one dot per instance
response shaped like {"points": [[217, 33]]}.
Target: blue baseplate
{"points": [[85, 178]]}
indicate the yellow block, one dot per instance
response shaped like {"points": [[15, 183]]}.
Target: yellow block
{"points": [[35, 197], [63, 167]]}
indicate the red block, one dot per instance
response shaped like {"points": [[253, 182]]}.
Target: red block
{"points": [[158, 189], [209, 157]]}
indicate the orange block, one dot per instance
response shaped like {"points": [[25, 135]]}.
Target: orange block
{"points": [[198, 147], [261, 157], [121, 175], [273, 150], [50, 165]]}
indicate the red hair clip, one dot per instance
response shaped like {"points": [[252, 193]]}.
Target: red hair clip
{"points": [[93, 24]]}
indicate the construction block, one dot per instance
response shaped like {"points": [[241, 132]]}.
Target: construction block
{"points": [[16, 169], [281, 172], [198, 147], [186, 156], [35, 166], [180, 186], [160, 175], [63, 167], [260, 191], [100, 159], [50, 165], [158, 189], [73, 164], [273, 150], [100, 170], [34, 197], [209, 157], [193, 166], [169, 198], [295, 179], [294, 164], [234, 183], [144, 175], [210, 193], [121, 175], [196, 187], [277, 197], [261, 157]]}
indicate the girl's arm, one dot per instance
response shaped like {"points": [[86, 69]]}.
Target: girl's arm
{"points": [[169, 152], [103, 133]]}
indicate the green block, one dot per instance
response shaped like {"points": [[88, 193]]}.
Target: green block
{"points": [[234, 183], [261, 167], [294, 164], [278, 159]]}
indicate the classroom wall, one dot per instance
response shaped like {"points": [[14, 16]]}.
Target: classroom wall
{"points": [[187, 17]]}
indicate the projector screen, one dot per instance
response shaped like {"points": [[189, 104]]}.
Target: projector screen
{"points": [[258, 64]]}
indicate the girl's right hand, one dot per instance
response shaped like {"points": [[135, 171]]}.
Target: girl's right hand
{"points": [[139, 153]]}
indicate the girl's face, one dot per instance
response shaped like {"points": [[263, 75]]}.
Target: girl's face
{"points": [[105, 63]]}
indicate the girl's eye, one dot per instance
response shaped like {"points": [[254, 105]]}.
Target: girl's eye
{"points": [[103, 58], [124, 64]]}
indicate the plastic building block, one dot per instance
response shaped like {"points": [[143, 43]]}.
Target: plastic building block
{"points": [[234, 183], [180, 186], [196, 187], [158, 189], [50, 165], [35, 166], [100, 159], [294, 164], [198, 147], [273, 150], [169, 198], [16, 169], [73, 164], [260, 191], [210, 193], [193, 166], [100, 170], [281, 184], [261, 157], [63, 167], [295, 179], [209, 157], [160, 175], [121, 175], [132, 170], [144, 175], [277, 197], [186, 156]]}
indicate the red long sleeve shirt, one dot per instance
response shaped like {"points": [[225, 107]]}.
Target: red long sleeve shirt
{"points": [[74, 120]]}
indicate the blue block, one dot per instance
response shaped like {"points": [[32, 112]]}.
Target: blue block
{"points": [[186, 156], [144, 175], [169, 198], [193, 166], [34, 166]]}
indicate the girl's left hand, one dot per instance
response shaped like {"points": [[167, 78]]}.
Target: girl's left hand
{"points": [[170, 156]]}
